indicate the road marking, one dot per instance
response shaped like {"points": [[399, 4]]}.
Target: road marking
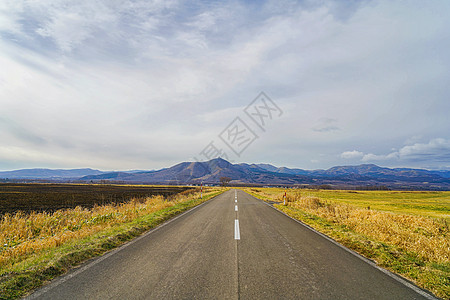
{"points": [[235, 200], [237, 235], [235, 208]]}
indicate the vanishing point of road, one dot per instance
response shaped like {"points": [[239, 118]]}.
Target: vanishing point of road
{"points": [[231, 247]]}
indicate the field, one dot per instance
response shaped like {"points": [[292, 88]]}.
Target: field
{"points": [[36, 246], [428, 204], [406, 232], [51, 197], [423, 203]]}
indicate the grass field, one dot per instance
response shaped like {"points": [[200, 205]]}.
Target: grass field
{"points": [[406, 232], [428, 204], [423, 203], [38, 246], [51, 197]]}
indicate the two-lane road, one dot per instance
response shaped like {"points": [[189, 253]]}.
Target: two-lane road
{"points": [[232, 247]]}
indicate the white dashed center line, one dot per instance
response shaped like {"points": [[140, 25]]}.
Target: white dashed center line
{"points": [[237, 235]]}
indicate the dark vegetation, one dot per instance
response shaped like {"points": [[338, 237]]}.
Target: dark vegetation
{"points": [[224, 180], [50, 197]]}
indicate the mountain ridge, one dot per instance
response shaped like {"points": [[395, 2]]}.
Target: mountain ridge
{"points": [[43, 173], [210, 172], [266, 174]]}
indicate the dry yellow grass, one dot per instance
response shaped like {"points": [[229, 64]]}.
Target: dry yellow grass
{"points": [[24, 235], [405, 232], [427, 237]]}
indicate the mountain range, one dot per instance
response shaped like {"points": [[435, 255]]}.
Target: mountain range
{"points": [[54, 174], [211, 172]]}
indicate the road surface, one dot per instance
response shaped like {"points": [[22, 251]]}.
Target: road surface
{"points": [[232, 247]]}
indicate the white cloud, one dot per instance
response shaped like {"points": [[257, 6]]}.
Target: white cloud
{"points": [[432, 154], [352, 154], [149, 83], [435, 147]]}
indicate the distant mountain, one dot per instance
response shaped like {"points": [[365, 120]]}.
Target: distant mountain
{"points": [[196, 172], [268, 167], [136, 171], [445, 174], [260, 174], [265, 174], [284, 170], [48, 173], [374, 171]]}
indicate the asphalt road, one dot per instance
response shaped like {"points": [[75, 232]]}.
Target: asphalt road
{"points": [[207, 254]]}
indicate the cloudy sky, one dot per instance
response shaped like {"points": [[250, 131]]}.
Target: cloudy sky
{"points": [[137, 84]]}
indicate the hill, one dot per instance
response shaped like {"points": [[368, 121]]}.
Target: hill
{"points": [[211, 171]]}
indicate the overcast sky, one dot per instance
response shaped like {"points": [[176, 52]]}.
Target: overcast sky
{"points": [[119, 85]]}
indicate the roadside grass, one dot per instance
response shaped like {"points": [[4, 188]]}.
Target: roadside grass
{"points": [[411, 244], [422, 203], [37, 247]]}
